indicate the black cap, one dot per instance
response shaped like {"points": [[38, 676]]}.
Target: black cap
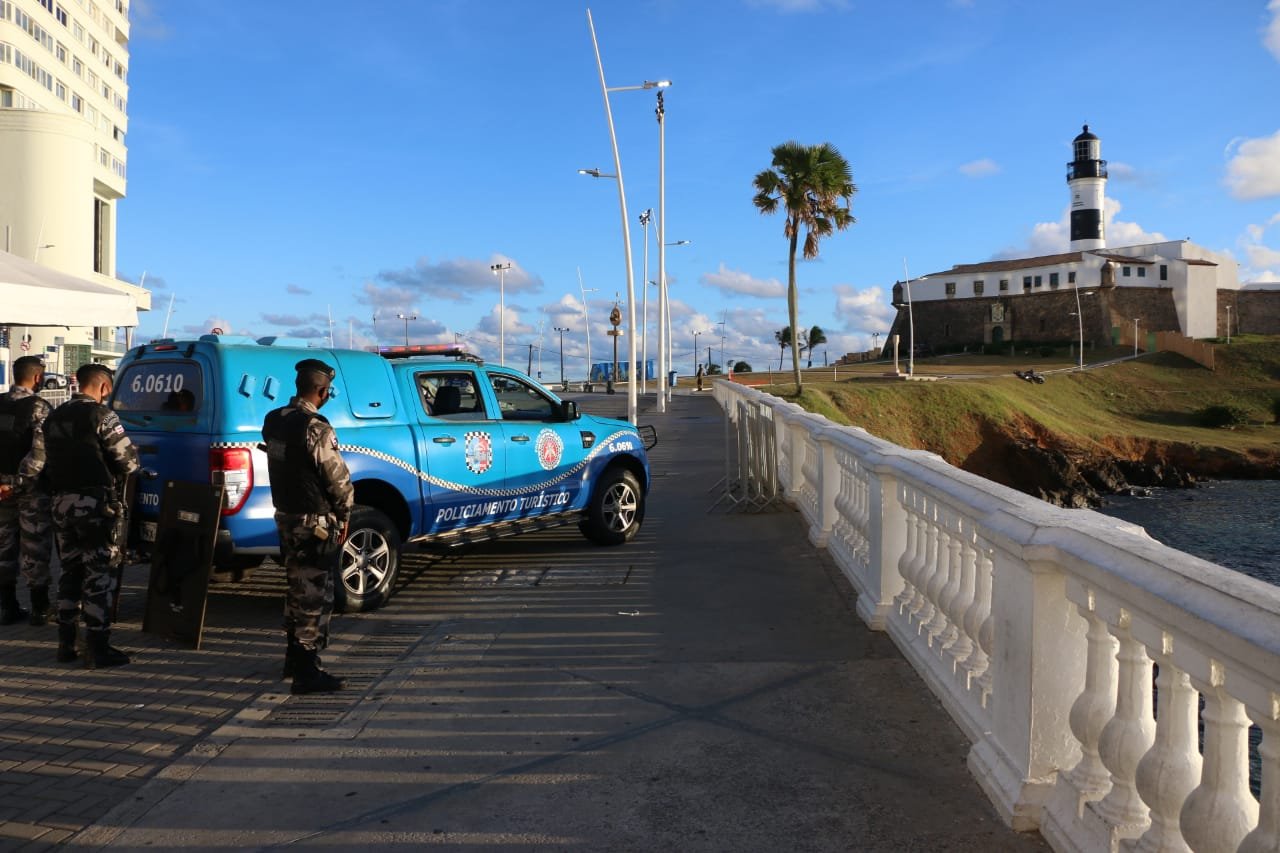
{"points": [[314, 365]]}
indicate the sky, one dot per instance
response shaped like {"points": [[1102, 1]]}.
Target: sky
{"points": [[314, 169]]}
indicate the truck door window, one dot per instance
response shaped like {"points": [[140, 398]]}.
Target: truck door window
{"points": [[452, 396], [520, 401]]}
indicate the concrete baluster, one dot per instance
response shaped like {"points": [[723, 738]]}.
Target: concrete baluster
{"points": [[961, 644], [797, 438], [1127, 736], [955, 569], [886, 547], [1095, 705], [909, 499], [934, 574], [828, 489], [1220, 812], [862, 510], [1265, 838], [978, 620], [928, 548], [1171, 769]]}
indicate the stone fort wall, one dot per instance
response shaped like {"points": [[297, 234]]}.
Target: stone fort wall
{"points": [[1253, 312]]}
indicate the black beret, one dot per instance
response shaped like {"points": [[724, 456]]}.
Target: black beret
{"points": [[314, 365]]}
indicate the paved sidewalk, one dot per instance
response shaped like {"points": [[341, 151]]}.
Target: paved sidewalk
{"points": [[707, 687]]}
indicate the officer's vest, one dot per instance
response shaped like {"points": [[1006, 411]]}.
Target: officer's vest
{"points": [[16, 419], [295, 480], [73, 451]]}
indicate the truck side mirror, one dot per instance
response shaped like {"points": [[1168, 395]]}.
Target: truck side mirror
{"points": [[569, 410]]}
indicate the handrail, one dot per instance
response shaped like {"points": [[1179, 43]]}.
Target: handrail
{"points": [[1040, 630]]}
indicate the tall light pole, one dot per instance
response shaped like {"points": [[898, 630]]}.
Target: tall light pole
{"points": [[586, 324], [500, 270], [695, 348], [564, 385], [1135, 337], [911, 322], [723, 328], [665, 290], [875, 343], [645, 216], [622, 204], [406, 318], [1080, 321]]}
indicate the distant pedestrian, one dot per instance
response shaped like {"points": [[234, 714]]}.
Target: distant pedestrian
{"points": [[26, 530], [83, 449], [701, 373], [312, 493]]}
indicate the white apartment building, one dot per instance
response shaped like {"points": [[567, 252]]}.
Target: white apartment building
{"points": [[64, 67]]}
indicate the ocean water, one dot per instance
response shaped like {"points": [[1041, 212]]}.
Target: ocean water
{"points": [[1229, 522]]}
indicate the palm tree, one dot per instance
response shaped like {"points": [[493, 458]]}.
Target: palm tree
{"points": [[815, 337], [783, 337], [808, 182]]}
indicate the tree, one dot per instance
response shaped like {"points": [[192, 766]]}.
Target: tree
{"points": [[813, 186], [743, 367], [713, 369], [783, 337], [815, 337]]}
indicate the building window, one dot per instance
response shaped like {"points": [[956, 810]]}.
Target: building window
{"points": [[61, 90], [101, 235], [1142, 272], [978, 287], [1004, 285], [1053, 279], [1126, 271], [951, 288], [1026, 282], [1071, 277], [61, 14], [77, 67], [1039, 281], [77, 103], [1164, 272]]}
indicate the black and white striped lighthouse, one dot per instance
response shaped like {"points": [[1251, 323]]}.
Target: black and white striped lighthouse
{"points": [[1087, 178]]}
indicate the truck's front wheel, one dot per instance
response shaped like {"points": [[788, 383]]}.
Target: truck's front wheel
{"points": [[616, 509], [370, 558]]}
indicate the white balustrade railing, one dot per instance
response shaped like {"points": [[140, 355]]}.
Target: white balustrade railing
{"points": [[1045, 633]]}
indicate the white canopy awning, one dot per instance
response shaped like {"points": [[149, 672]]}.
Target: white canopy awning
{"points": [[35, 295]]}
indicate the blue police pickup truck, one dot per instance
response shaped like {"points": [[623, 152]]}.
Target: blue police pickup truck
{"points": [[442, 448]]}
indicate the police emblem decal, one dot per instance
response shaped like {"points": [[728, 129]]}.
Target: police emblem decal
{"points": [[478, 447], [549, 448]]}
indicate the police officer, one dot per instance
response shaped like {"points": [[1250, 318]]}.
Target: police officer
{"points": [[26, 534], [83, 449], [311, 489]]}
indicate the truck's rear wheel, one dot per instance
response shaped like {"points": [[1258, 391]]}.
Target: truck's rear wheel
{"points": [[369, 560], [616, 509]]}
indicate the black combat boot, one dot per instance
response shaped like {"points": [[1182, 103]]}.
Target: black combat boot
{"points": [[10, 611], [99, 653], [67, 642], [308, 677], [291, 652], [40, 609]]}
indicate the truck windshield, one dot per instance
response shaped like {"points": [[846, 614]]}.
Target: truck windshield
{"points": [[166, 387]]}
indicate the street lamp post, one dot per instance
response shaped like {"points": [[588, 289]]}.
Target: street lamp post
{"points": [[664, 317], [1135, 337], [645, 216], [695, 348], [1228, 324], [1080, 323], [406, 318], [911, 322], [586, 324], [501, 270], [622, 204], [875, 343], [564, 385]]}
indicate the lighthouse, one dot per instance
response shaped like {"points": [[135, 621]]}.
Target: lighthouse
{"points": [[1087, 179]]}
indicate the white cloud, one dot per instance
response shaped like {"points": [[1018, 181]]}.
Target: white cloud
{"points": [[793, 6], [1262, 262], [729, 282], [1051, 238], [297, 290], [980, 168], [1271, 37], [1254, 169], [864, 310], [456, 280]]}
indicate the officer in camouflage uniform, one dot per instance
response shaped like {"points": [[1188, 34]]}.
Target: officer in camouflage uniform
{"points": [[311, 489], [26, 534], [84, 451]]}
